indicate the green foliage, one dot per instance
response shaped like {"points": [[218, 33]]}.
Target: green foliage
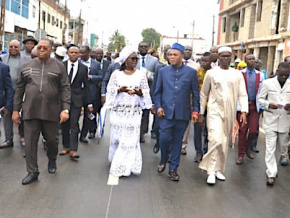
{"points": [[151, 37], [117, 42]]}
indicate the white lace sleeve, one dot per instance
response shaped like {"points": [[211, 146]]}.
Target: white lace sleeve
{"points": [[145, 101], [112, 91]]}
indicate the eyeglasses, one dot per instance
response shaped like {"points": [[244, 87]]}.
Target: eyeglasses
{"points": [[134, 58], [42, 47]]}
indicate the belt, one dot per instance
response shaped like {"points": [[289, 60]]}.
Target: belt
{"points": [[252, 102]]}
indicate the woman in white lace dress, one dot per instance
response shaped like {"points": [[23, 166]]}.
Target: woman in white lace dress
{"points": [[127, 94]]}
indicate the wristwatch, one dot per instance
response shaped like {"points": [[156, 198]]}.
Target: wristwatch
{"points": [[66, 111]]}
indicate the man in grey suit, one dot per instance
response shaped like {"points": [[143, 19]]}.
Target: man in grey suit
{"points": [[151, 64], [15, 60]]}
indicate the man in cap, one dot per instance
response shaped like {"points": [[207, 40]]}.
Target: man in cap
{"points": [[30, 42], [222, 88], [175, 84], [60, 53]]}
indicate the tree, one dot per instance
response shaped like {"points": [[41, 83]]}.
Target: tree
{"points": [[117, 42], [151, 37]]}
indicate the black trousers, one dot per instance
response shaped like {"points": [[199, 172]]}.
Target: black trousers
{"points": [[88, 124], [70, 129], [32, 130], [145, 121]]}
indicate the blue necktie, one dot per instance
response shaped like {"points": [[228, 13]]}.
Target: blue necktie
{"points": [[143, 61]]}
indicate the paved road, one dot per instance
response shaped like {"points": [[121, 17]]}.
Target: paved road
{"points": [[80, 190]]}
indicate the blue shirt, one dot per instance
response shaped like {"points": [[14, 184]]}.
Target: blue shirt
{"points": [[251, 83]]}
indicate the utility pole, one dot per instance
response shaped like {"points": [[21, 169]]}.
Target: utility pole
{"points": [[192, 35], [80, 29], [213, 32], [2, 23], [64, 23]]}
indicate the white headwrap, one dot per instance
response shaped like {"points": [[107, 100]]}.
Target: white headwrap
{"points": [[225, 48], [125, 53]]}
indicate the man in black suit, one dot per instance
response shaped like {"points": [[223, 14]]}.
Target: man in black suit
{"points": [[95, 76], [78, 76], [104, 64]]}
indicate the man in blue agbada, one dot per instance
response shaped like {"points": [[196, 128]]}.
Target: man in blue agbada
{"points": [[175, 85]]}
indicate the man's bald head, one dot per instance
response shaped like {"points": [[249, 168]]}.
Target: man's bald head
{"points": [[14, 47]]}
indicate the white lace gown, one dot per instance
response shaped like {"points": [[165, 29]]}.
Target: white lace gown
{"points": [[125, 119]]}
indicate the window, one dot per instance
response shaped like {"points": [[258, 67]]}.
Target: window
{"points": [[52, 20], [15, 6], [224, 24], [243, 17], [43, 16], [56, 21], [259, 10], [48, 18], [60, 24]]}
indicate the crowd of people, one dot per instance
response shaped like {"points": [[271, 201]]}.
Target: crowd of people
{"points": [[46, 88]]}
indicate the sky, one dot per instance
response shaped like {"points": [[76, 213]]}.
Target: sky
{"points": [[130, 17]]}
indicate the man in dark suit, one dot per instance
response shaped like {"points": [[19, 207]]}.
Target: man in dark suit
{"points": [[15, 60], [95, 76], [6, 91], [174, 86], [80, 95], [151, 64], [104, 64]]}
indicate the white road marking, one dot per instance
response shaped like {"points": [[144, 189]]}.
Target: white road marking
{"points": [[109, 202], [113, 180]]}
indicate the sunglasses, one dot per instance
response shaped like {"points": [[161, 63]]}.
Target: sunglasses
{"points": [[42, 47], [134, 58]]}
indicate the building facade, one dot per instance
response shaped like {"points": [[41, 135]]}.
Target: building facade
{"points": [[261, 27]]}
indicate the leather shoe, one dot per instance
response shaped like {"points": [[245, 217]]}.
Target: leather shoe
{"points": [[240, 161], [30, 178], [183, 151], [249, 154], [52, 166], [6, 144], [198, 157], [22, 142], [156, 148], [64, 151], [270, 181], [73, 155], [161, 167], [91, 135], [173, 175], [254, 149], [84, 140]]}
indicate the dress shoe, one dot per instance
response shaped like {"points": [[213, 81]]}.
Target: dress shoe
{"points": [[153, 135], [73, 155], [64, 151], [7, 143], [198, 157], [161, 167], [220, 176], [30, 178], [22, 142], [51, 166], [211, 179], [183, 151], [284, 161], [156, 148], [249, 154], [142, 139], [173, 175], [91, 135], [254, 149], [270, 181], [84, 140], [240, 161]]}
